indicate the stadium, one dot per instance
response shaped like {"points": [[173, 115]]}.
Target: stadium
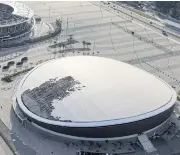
{"points": [[16, 22], [94, 98]]}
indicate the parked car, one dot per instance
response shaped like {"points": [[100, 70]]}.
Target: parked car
{"points": [[24, 59], [10, 63], [164, 33]]}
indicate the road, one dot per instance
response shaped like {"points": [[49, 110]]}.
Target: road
{"points": [[139, 20], [4, 149]]}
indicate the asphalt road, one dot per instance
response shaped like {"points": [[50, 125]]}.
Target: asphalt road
{"points": [[139, 20]]}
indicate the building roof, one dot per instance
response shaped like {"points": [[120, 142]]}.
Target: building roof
{"points": [[92, 91], [20, 13]]}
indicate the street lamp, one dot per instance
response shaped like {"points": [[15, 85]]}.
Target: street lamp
{"points": [[49, 11]]}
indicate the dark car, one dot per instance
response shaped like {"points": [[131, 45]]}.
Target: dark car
{"points": [[37, 18], [24, 59], [10, 63], [19, 64], [164, 33], [5, 68]]}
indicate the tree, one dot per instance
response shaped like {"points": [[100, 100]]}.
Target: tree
{"points": [[54, 54], [63, 46], [88, 44], [84, 43], [58, 22], [165, 6], [71, 41], [176, 11]]}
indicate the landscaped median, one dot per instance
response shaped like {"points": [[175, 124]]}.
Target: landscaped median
{"points": [[9, 78], [144, 21], [178, 96], [140, 13], [6, 136]]}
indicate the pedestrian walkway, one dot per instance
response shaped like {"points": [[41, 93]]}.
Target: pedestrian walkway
{"points": [[5, 140], [4, 149]]}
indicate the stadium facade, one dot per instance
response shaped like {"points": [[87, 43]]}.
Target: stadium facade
{"points": [[113, 109], [16, 22], [95, 99]]}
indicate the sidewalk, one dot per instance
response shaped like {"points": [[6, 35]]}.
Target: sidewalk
{"points": [[4, 149], [5, 140]]}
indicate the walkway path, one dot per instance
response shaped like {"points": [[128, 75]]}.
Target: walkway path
{"points": [[4, 149], [5, 140]]}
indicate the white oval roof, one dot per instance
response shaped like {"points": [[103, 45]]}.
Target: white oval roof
{"points": [[113, 91]]}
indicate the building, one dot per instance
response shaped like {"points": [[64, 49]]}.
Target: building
{"points": [[16, 22], [95, 99]]}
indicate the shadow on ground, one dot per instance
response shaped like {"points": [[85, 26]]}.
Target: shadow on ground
{"points": [[16, 128], [7, 54]]}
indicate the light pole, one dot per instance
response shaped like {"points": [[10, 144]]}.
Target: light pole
{"points": [[67, 28], [110, 24], [94, 46], [101, 9], [49, 12]]}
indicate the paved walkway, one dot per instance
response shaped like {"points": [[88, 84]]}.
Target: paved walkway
{"points": [[10, 144], [5, 140], [4, 149]]}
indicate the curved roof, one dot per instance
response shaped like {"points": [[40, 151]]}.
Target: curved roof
{"points": [[19, 13], [6, 8], [92, 91]]}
